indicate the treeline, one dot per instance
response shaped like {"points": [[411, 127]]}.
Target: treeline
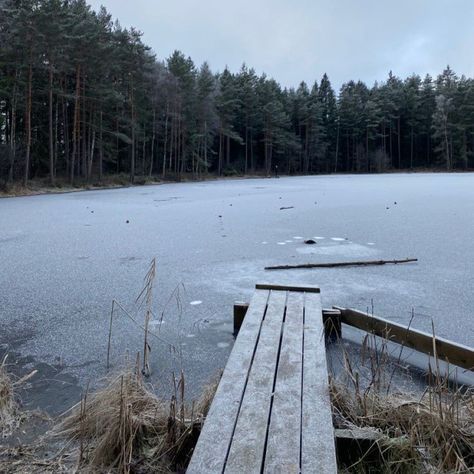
{"points": [[82, 97]]}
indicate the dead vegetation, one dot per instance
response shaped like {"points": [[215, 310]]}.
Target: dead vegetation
{"points": [[8, 407], [127, 428], [426, 432]]}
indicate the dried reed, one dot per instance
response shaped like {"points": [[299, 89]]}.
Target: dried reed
{"points": [[431, 432], [125, 425]]}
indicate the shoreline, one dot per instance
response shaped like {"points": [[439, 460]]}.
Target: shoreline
{"points": [[39, 188]]}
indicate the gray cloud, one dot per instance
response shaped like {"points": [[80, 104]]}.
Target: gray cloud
{"points": [[296, 40]]}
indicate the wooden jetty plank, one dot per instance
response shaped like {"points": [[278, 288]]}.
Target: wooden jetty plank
{"points": [[318, 453], [248, 443], [448, 351], [284, 434], [305, 289], [211, 451]]}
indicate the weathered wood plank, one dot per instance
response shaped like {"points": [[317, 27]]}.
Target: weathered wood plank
{"points": [[284, 435], [211, 451], [318, 452], [306, 289], [448, 351], [247, 448]]}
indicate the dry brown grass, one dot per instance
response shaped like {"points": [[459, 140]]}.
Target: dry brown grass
{"points": [[127, 428], [431, 432], [9, 418]]}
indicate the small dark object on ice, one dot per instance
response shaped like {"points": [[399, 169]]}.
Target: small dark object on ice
{"points": [[127, 222], [285, 208], [310, 242], [92, 212], [219, 216], [395, 203], [387, 207]]}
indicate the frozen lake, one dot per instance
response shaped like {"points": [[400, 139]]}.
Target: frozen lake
{"points": [[65, 257]]}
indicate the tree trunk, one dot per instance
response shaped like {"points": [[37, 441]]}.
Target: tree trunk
{"points": [[101, 147], [165, 143], [219, 165], [56, 138], [75, 130], [206, 164], [143, 151], [28, 124], [252, 160], [132, 159], [152, 151], [51, 143], [11, 168], [391, 148], [66, 135], [91, 157], [246, 149], [399, 146], [83, 164]]}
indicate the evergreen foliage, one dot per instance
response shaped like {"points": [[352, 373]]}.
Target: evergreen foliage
{"points": [[82, 97]]}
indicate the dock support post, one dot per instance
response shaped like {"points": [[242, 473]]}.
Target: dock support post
{"points": [[332, 324], [240, 310]]}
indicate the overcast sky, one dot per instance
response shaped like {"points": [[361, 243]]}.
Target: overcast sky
{"points": [[294, 40]]}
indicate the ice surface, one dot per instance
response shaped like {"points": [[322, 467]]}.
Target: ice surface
{"points": [[61, 265]]}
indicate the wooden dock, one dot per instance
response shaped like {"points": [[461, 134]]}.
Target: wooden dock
{"points": [[271, 412]]}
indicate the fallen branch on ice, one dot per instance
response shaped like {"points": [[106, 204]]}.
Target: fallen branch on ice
{"points": [[341, 264]]}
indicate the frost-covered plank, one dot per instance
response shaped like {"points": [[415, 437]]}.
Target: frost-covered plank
{"points": [[283, 446], [318, 453], [248, 444], [213, 445]]}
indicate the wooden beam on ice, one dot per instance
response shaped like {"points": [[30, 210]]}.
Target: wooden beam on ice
{"points": [[431, 344]]}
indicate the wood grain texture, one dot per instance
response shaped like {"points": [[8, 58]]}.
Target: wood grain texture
{"points": [[211, 451], [448, 351], [248, 444], [284, 435], [318, 453]]}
